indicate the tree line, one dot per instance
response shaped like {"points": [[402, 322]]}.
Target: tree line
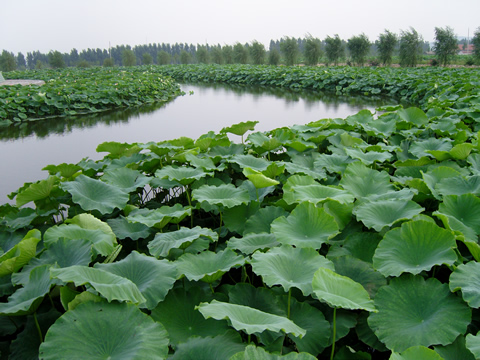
{"points": [[406, 48]]}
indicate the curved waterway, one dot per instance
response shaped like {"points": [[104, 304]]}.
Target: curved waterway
{"points": [[26, 149]]}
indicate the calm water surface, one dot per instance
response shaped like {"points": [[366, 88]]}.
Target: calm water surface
{"points": [[24, 151]]}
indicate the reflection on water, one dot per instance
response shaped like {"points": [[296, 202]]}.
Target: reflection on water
{"points": [[25, 149]]}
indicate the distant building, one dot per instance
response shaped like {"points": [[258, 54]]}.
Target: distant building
{"points": [[464, 49]]}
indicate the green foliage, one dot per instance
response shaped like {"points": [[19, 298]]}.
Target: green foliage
{"points": [[202, 55], [313, 50], [476, 44], [334, 49], [273, 57], [56, 60], [289, 48], [240, 54], [163, 58], [410, 47], [257, 53], [147, 59], [359, 47], [128, 58], [365, 236], [7, 61], [386, 46], [108, 62], [445, 46]]}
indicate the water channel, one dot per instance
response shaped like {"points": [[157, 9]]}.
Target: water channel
{"points": [[25, 150]]}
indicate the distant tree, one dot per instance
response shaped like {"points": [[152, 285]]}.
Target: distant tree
{"points": [[128, 58], [147, 59], [476, 45], [227, 54], [386, 46], [257, 53], [56, 60], [312, 50], [202, 54], [163, 58], [445, 46], [359, 47], [410, 47], [240, 54], [108, 62], [334, 49], [39, 65], [216, 54], [7, 61], [185, 57], [289, 48], [83, 64], [21, 62], [273, 56]]}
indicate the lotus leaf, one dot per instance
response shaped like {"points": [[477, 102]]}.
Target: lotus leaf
{"points": [[154, 278], [459, 185], [257, 353], [180, 239], [340, 291], [416, 352], [184, 175], [251, 242], [37, 191], [250, 161], [208, 266], [224, 195], [473, 344], [385, 213], [413, 311], [258, 179], [413, 115], [127, 179], [160, 217], [465, 208], [248, 319], [361, 181], [306, 226], [466, 278], [457, 350], [89, 328], [124, 229], [240, 128], [280, 266], [19, 255], [368, 157], [111, 286], [93, 194], [414, 247]]}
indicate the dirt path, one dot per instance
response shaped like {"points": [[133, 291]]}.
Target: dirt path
{"points": [[22, 82]]}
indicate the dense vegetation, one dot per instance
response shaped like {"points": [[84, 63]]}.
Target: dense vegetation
{"points": [[341, 238], [75, 91]]}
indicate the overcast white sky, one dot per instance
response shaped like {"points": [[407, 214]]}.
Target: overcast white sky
{"points": [[44, 25]]}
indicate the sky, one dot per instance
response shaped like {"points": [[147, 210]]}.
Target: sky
{"points": [[45, 25]]}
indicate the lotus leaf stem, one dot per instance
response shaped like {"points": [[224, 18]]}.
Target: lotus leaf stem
{"points": [[38, 327]]}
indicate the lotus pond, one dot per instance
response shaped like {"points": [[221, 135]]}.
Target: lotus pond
{"points": [[343, 238]]}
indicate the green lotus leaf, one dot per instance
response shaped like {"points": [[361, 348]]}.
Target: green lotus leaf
{"points": [[306, 226], [257, 353], [362, 181], [360, 118], [258, 179], [263, 299], [222, 346], [241, 128], [459, 185], [414, 247], [65, 170], [423, 148], [263, 219], [177, 313], [180, 239], [20, 254], [252, 242], [27, 299], [160, 217], [206, 163], [224, 195], [234, 217], [227, 151], [413, 311], [124, 229], [434, 176], [117, 150], [473, 344], [368, 157], [415, 353], [111, 286], [37, 191], [250, 161], [317, 193], [300, 145], [248, 319], [340, 291], [461, 151], [105, 330], [361, 272], [341, 212], [306, 164], [346, 140], [101, 237], [386, 213], [456, 350], [361, 245], [366, 335], [333, 163], [19, 219], [466, 278], [208, 266], [281, 266], [413, 115], [154, 278], [62, 253], [88, 221], [93, 194], [465, 208], [184, 175], [127, 179]]}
